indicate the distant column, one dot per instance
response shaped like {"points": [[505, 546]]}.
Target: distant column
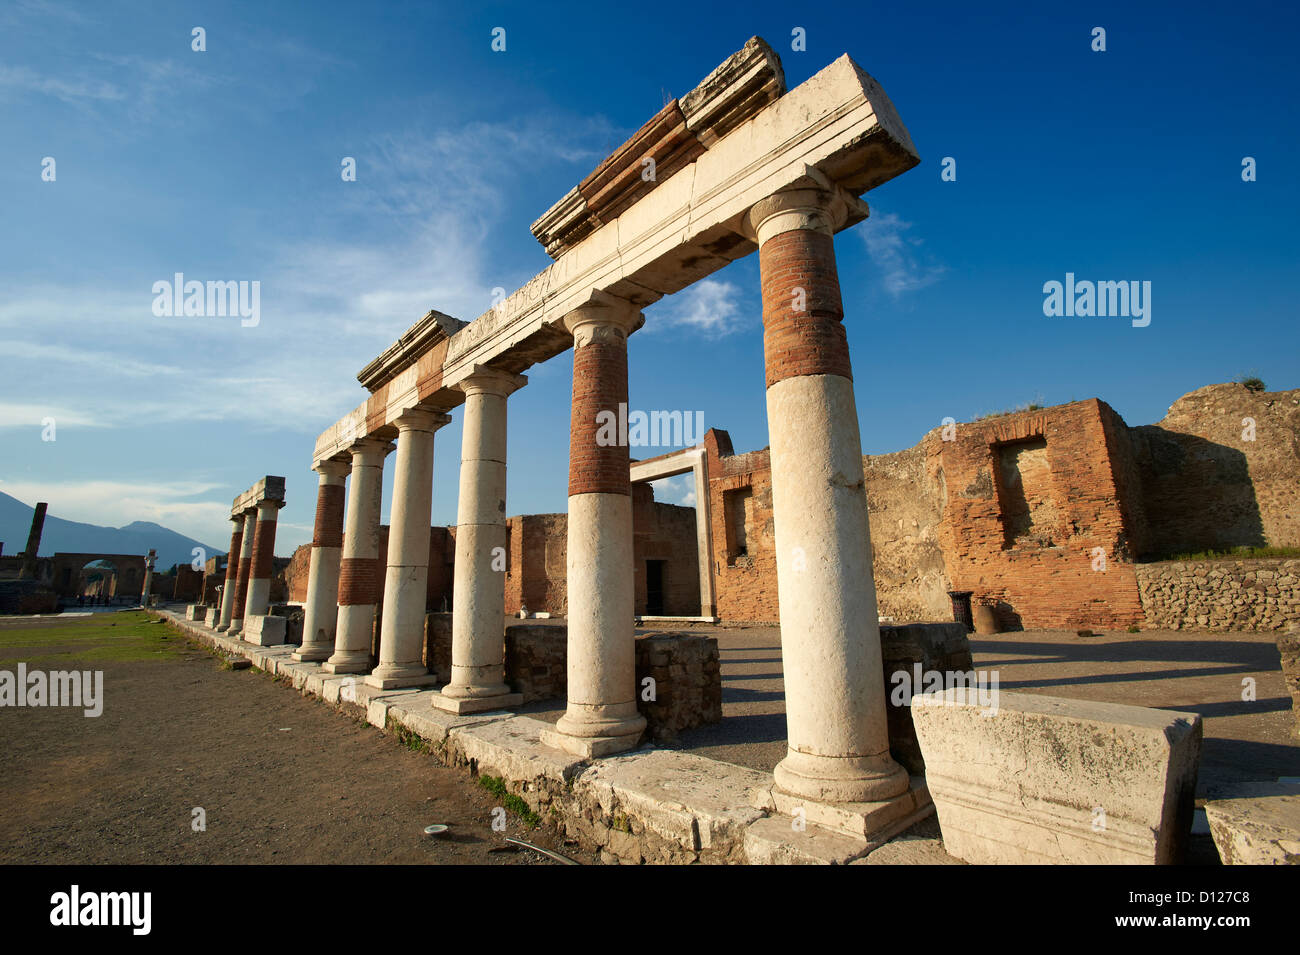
{"points": [[245, 567], [406, 578], [262, 566], [838, 747], [28, 569], [232, 572], [359, 568], [148, 578], [478, 615], [601, 716], [320, 617]]}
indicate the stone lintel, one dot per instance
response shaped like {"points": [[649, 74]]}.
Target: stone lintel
{"points": [[269, 490]]}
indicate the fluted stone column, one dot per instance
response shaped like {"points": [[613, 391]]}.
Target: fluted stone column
{"points": [[601, 716], [830, 633], [245, 567], [320, 617], [359, 568], [478, 615], [263, 564], [406, 580], [232, 572]]}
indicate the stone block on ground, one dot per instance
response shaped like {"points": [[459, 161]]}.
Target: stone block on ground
{"points": [[1256, 824], [1041, 779], [934, 648], [264, 630]]}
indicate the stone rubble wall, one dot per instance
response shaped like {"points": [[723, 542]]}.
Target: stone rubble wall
{"points": [[1259, 594]]}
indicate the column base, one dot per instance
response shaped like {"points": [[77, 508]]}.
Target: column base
{"points": [[313, 654], [862, 820], [475, 704], [833, 779], [589, 747], [236, 628], [398, 677], [347, 662], [221, 627]]}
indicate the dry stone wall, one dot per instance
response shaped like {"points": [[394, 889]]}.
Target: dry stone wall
{"points": [[1262, 594]]}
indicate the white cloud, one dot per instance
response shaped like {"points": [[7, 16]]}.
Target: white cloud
{"points": [[675, 490], [171, 504], [899, 256], [710, 307]]}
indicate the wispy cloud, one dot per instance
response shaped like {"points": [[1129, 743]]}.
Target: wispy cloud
{"points": [[906, 267], [710, 307], [675, 490]]}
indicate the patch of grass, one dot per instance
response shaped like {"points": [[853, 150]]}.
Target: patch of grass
{"points": [[407, 737], [512, 803], [1134, 629], [1251, 382], [119, 638], [1238, 553]]}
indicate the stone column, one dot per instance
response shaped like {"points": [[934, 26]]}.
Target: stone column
{"points": [[263, 564], [601, 716], [830, 632], [478, 614], [322, 610], [148, 578], [359, 568], [245, 566], [406, 580], [232, 572]]}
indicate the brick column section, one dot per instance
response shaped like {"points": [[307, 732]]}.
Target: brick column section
{"points": [[479, 612], [263, 565], [359, 567], [838, 748], [232, 571], [245, 566], [406, 579], [320, 615], [601, 716]]}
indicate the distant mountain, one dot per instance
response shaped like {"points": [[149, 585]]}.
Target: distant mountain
{"points": [[138, 537]]}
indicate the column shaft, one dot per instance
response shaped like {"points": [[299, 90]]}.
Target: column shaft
{"points": [[601, 716], [263, 563], [406, 579], [320, 616], [359, 568], [245, 567], [478, 615], [830, 635], [232, 572]]}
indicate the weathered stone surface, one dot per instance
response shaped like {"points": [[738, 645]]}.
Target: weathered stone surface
{"points": [[1256, 824], [1288, 649], [264, 630], [1050, 780], [1257, 594], [775, 840], [936, 648]]}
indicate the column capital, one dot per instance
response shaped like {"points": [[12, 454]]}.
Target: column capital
{"points": [[332, 468], [271, 506], [817, 207], [483, 380], [420, 419], [603, 317], [376, 449]]}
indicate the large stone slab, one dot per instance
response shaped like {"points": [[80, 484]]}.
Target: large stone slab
{"points": [[512, 748], [1256, 824], [1041, 779], [779, 840], [263, 630]]}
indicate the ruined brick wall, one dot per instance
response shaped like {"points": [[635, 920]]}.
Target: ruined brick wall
{"points": [[1031, 497], [189, 583], [537, 573], [296, 574], [1207, 486], [906, 496], [666, 533], [687, 675], [1259, 594], [744, 545]]}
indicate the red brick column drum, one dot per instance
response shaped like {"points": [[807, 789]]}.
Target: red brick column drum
{"points": [[232, 572], [358, 581], [245, 567], [328, 531], [320, 614], [599, 385], [798, 271]]}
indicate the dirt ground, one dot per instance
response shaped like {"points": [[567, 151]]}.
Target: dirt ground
{"points": [[280, 777]]}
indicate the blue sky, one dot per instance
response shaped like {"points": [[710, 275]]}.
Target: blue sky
{"points": [[225, 165]]}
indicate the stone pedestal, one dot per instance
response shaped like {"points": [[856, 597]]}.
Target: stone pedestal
{"points": [[322, 606], [478, 617], [830, 639], [359, 567], [406, 579], [264, 630], [601, 716]]}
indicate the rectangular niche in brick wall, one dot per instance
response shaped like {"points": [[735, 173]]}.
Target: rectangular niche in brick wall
{"points": [[1026, 500], [738, 513]]}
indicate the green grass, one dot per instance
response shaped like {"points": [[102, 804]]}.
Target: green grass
{"points": [[124, 637], [512, 803], [1238, 553], [1028, 406]]}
